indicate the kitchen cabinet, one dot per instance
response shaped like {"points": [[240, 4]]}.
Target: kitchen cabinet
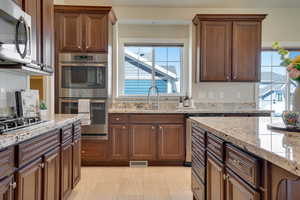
{"points": [[198, 188], [7, 187], [83, 29], [119, 142], [29, 181], [94, 151], [246, 51], [214, 179], [95, 32], [228, 47], [171, 142], [76, 175], [236, 189], [66, 170], [51, 175], [70, 36], [143, 142], [47, 35]]}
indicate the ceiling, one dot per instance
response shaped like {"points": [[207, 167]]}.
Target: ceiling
{"points": [[211, 3]]}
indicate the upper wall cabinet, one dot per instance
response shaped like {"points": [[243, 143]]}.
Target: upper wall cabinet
{"points": [[228, 47], [83, 29]]}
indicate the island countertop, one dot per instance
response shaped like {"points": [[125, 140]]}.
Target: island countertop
{"points": [[51, 122], [251, 134]]}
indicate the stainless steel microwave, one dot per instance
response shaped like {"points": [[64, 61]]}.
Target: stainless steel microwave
{"points": [[15, 34]]}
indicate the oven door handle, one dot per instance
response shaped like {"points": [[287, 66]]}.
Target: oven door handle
{"points": [[76, 101], [82, 65]]}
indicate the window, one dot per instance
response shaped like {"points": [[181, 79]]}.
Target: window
{"points": [[152, 65], [275, 89]]}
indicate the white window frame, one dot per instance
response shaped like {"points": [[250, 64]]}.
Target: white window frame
{"points": [[132, 41]]}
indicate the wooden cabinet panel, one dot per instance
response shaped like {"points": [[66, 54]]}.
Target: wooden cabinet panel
{"points": [[47, 34], [119, 142], [51, 175], [7, 162], [143, 143], [236, 189], [33, 8], [94, 151], [76, 162], [198, 188], [118, 118], [215, 146], [70, 30], [215, 51], [171, 140], [95, 32], [66, 171], [246, 51], [29, 181], [7, 188], [156, 119], [214, 179]]}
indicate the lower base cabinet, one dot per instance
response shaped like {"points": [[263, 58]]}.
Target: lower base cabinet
{"points": [[236, 189], [76, 175], [7, 187], [66, 170], [198, 188], [214, 179], [51, 175], [29, 181]]}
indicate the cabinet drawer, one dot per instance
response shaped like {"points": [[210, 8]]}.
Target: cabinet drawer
{"points": [[77, 127], [243, 164], [215, 146], [198, 151], [118, 119], [198, 188], [198, 135], [159, 119], [7, 163], [34, 148], [66, 133]]}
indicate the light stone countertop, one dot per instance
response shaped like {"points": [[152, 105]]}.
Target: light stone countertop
{"points": [[51, 123], [251, 134], [190, 111]]}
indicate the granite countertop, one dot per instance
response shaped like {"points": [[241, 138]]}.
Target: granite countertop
{"points": [[190, 111], [51, 122], [251, 134]]}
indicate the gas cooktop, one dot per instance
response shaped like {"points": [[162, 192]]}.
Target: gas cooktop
{"points": [[10, 124]]}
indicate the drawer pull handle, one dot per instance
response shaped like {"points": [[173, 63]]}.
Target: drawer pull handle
{"points": [[13, 185], [225, 177], [42, 165], [117, 119], [82, 151], [124, 127], [153, 127]]}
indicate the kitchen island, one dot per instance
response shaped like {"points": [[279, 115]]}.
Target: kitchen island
{"points": [[240, 158], [41, 161]]}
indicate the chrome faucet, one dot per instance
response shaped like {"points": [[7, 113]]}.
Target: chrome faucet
{"points": [[154, 106]]}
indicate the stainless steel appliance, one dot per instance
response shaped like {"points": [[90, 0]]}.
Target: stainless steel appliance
{"points": [[10, 123], [98, 111], [15, 34], [82, 75]]}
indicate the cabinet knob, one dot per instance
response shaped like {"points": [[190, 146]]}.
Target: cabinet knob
{"points": [[153, 127], [13, 185], [82, 151], [225, 177], [42, 165], [118, 119], [227, 77], [124, 127]]}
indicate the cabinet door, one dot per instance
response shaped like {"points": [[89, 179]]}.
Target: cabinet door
{"points": [[215, 51], [96, 32], [246, 51], [47, 32], [29, 181], [70, 32], [215, 179], [171, 142], [143, 142], [51, 175], [66, 171], [119, 138], [76, 162], [7, 187], [236, 189], [33, 8]]}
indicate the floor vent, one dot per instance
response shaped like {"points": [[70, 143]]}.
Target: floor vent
{"points": [[138, 163]]}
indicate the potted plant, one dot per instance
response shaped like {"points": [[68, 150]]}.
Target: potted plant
{"points": [[293, 68], [43, 110]]}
